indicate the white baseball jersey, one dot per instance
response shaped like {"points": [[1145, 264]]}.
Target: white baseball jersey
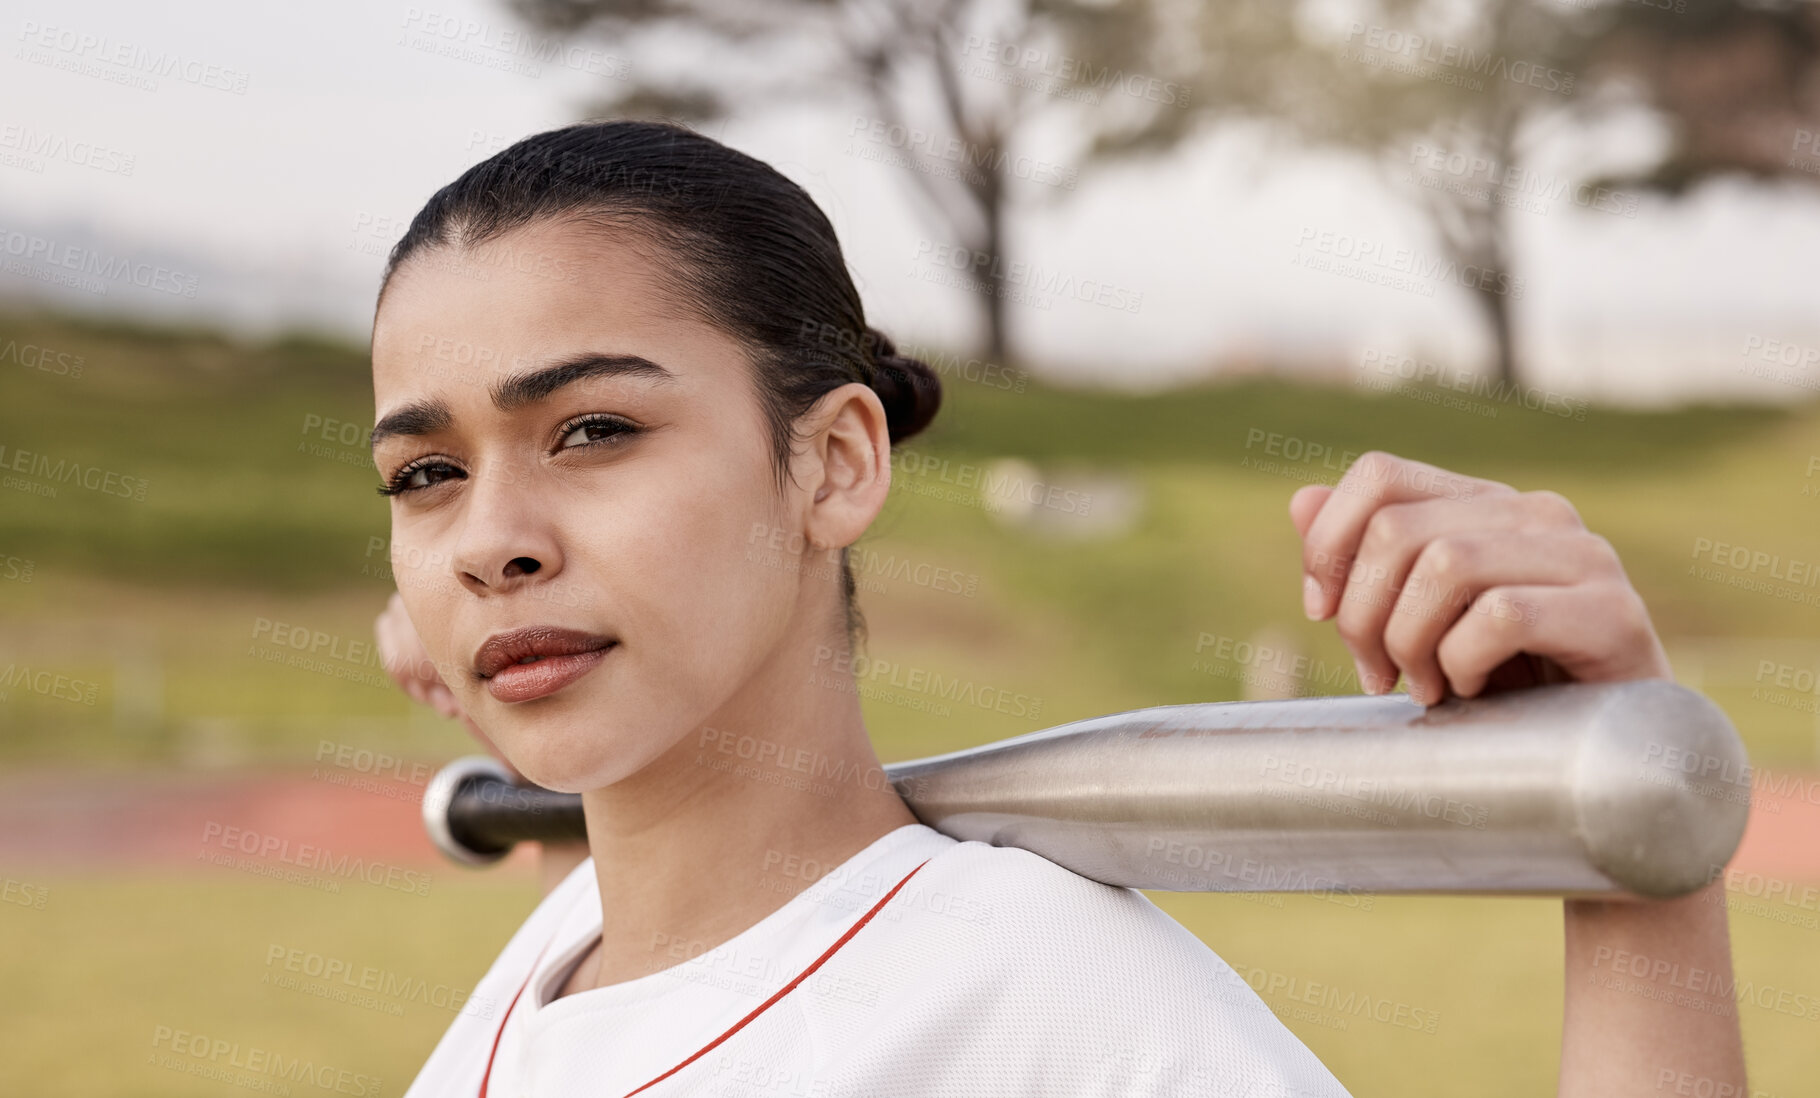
{"points": [[920, 966]]}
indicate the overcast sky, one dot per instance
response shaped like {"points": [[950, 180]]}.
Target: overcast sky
{"points": [[286, 153]]}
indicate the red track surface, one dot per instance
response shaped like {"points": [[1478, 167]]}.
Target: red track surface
{"points": [[75, 820]]}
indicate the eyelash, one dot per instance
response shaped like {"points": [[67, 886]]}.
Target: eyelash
{"points": [[399, 483]]}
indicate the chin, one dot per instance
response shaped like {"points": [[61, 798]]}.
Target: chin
{"points": [[572, 755]]}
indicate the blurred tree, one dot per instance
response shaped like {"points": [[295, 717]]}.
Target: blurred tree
{"points": [[1450, 99], [1446, 98], [1738, 84], [1454, 97], [955, 87]]}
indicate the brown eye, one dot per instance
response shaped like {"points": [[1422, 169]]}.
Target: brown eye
{"points": [[420, 475], [594, 429]]}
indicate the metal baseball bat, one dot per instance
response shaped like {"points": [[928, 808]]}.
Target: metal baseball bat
{"points": [[1636, 789]]}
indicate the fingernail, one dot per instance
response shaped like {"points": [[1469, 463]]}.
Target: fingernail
{"points": [[1311, 598], [1367, 681]]}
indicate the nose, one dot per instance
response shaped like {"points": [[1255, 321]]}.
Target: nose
{"points": [[505, 537]]}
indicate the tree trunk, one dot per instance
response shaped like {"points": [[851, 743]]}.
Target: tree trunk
{"points": [[1496, 298], [1496, 306], [1494, 287], [990, 194]]}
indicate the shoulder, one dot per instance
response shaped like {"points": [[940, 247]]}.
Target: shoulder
{"points": [[1063, 980], [1025, 896], [1024, 917]]}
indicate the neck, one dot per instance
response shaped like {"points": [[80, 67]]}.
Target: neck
{"points": [[740, 815]]}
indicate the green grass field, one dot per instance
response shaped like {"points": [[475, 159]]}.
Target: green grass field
{"points": [[165, 606], [1471, 988]]}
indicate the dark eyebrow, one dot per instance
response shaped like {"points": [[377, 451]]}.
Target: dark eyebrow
{"points": [[527, 388], [427, 416], [418, 418]]}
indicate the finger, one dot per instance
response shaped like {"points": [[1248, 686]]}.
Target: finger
{"points": [[407, 663], [1394, 538], [1373, 481], [1305, 504], [396, 634], [1452, 570], [385, 631], [440, 698], [1596, 631], [385, 627], [413, 658]]}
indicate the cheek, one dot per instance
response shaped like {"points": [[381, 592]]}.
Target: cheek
{"points": [[712, 599]]}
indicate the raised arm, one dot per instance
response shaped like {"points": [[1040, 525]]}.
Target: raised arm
{"points": [[1465, 586]]}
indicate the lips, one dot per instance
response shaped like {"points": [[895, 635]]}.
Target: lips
{"points": [[538, 661]]}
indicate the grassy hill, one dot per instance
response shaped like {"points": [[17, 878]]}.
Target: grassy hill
{"points": [[257, 507]]}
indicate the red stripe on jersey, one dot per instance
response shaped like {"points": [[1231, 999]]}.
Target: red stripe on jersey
{"points": [[737, 1026], [488, 1077], [789, 987]]}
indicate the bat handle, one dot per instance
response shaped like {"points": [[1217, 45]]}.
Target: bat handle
{"points": [[475, 813]]}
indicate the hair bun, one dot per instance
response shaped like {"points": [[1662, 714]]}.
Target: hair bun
{"points": [[910, 391]]}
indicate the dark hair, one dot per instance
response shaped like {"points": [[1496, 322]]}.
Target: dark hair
{"points": [[751, 253]]}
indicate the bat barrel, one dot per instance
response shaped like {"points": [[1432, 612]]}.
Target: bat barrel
{"points": [[1627, 789]]}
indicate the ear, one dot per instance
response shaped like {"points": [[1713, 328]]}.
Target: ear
{"points": [[846, 467]]}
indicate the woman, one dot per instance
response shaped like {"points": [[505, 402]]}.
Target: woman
{"points": [[609, 363]]}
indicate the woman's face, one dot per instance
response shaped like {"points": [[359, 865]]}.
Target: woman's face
{"points": [[583, 473]]}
